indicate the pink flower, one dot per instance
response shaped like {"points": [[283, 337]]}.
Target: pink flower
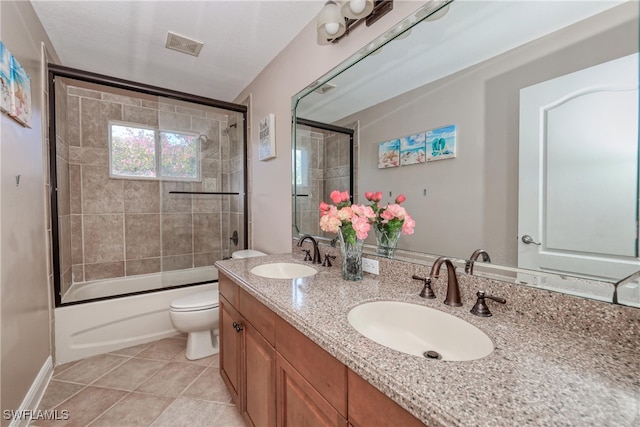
{"points": [[324, 207], [330, 223], [344, 196], [378, 196], [386, 216], [369, 195], [335, 196], [408, 225], [396, 211], [400, 198], [361, 226], [345, 213], [365, 211]]}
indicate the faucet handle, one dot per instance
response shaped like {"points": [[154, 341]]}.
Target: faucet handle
{"points": [[426, 292], [481, 308], [307, 256], [327, 260]]}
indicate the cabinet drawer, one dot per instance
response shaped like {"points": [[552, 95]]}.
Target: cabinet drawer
{"points": [[323, 371], [228, 289], [256, 313]]}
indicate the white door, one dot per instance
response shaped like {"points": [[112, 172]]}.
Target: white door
{"points": [[578, 173]]}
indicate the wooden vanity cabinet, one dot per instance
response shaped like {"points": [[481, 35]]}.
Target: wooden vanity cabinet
{"points": [[247, 353], [278, 376]]}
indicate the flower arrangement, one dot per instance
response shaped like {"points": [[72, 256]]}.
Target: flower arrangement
{"points": [[392, 217], [353, 221], [389, 222]]}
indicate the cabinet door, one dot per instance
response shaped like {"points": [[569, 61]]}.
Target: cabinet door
{"points": [[368, 407], [299, 404], [259, 381], [230, 349]]}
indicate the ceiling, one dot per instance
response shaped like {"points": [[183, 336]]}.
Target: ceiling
{"points": [[126, 39]]}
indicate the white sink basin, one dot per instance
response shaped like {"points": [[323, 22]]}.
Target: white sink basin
{"points": [[415, 329], [283, 270]]}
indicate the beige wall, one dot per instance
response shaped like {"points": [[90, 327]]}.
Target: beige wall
{"points": [[24, 290], [298, 65]]}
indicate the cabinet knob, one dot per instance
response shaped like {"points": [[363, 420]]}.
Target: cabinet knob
{"points": [[238, 327]]}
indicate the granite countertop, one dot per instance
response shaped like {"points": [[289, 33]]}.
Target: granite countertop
{"points": [[540, 373]]}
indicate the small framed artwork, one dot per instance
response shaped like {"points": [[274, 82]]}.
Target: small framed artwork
{"points": [[441, 143], [20, 94], [5, 79], [389, 154], [267, 142], [413, 149]]}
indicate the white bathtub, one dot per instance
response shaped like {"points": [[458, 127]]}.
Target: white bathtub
{"points": [[92, 328], [124, 285]]}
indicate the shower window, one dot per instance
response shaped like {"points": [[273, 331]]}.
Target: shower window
{"points": [[137, 151]]}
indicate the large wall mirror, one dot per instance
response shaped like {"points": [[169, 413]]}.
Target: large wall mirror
{"points": [[544, 100]]}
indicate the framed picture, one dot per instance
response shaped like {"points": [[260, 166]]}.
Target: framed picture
{"points": [[267, 142], [389, 154], [20, 94], [5, 79], [441, 143], [413, 149]]}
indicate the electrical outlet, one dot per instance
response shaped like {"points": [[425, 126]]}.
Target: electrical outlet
{"points": [[370, 266]]}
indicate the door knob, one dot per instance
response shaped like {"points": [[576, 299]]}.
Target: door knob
{"points": [[528, 240]]}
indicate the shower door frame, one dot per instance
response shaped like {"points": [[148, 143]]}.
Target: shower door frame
{"points": [[55, 70]]}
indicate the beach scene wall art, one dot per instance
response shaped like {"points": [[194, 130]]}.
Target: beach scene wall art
{"points": [[5, 79], [441, 143], [15, 88], [20, 94], [413, 149], [389, 154]]}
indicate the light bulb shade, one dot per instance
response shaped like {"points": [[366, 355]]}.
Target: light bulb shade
{"points": [[356, 9], [330, 22]]}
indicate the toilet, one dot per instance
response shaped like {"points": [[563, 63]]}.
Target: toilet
{"points": [[246, 253], [197, 315]]}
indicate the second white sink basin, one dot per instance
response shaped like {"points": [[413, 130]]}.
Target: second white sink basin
{"points": [[416, 330], [283, 270]]}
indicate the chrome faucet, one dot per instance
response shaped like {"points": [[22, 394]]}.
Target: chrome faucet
{"points": [[468, 268], [316, 251], [453, 289]]}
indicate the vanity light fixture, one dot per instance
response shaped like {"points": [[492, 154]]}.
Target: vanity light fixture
{"points": [[356, 9], [335, 21], [331, 23]]}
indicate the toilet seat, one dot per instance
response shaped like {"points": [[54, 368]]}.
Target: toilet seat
{"points": [[196, 302]]}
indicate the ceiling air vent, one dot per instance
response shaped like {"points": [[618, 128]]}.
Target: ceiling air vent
{"points": [[324, 88], [183, 44]]}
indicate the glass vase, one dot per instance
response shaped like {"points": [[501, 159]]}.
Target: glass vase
{"points": [[387, 241], [351, 252]]}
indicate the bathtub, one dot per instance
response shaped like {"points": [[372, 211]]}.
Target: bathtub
{"points": [[91, 328]]}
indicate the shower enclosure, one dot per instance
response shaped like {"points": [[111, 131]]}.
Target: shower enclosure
{"points": [[324, 160], [148, 186]]}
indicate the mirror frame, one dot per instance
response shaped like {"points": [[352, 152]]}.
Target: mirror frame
{"points": [[604, 291]]}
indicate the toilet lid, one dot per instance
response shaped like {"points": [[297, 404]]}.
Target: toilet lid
{"points": [[199, 301], [246, 253]]}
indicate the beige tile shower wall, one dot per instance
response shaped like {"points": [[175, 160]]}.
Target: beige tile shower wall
{"points": [[122, 227], [307, 215], [337, 157]]}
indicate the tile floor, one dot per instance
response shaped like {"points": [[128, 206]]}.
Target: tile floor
{"points": [[147, 385]]}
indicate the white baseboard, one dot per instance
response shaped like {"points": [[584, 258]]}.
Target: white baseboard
{"points": [[31, 401]]}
